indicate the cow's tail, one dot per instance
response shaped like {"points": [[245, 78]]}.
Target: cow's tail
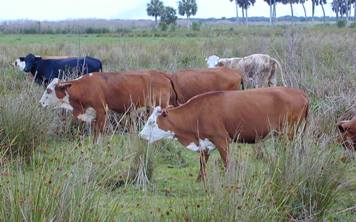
{"points": [[280, 69]]}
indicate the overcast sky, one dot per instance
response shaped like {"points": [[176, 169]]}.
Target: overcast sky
{"points": [[132, 9]]}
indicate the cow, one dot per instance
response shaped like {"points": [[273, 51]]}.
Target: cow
{"points": [[44, 70], [20, 62], [259, 70], [90, 97], [215, 119], [347, 129], [192, 82]]}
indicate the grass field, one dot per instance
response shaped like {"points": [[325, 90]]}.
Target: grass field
{"points": [[49, 174]]}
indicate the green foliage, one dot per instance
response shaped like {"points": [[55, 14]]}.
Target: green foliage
{"points": [[196, 26], [155, 8], [168, 16], [341, 23], [187, 7]]}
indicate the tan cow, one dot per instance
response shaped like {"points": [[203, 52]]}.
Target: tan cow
{"points": [[192, 82], [215, 119], [258, 70], [348, 133], [89, 97]]}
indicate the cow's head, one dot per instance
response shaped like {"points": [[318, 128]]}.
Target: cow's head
{"points": [[152, 131], [348, 133], [19, 63], [55, 95], [212, 61], [30, 62]]}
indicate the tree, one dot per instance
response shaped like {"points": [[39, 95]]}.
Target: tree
{"points": [[237, 9], [155, 8], [245, 4], [272, 10], [303, 2], [168, 16], [341, 7], [290, 2], [188, 8]]}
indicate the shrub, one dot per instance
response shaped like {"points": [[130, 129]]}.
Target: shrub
{"points": [[23, 124], [196, 26], [341, 23]]}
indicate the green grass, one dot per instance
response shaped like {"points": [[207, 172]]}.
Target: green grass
{"points": [[66, 178]]}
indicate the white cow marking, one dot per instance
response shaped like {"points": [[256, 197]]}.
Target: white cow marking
{"points": [[90, 74], [151, 131], [20, 64], [88, 116], [212, 61], [205, 144], [49, 97]]}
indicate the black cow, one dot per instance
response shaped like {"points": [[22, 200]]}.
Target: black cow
{"points": [[44, 70]]}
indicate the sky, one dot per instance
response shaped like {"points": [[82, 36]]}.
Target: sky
{"points": [[133, 9]]}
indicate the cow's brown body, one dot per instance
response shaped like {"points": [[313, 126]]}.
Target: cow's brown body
{"points": [[192, 82], [117, 92], [348, 133], [223, 117]]}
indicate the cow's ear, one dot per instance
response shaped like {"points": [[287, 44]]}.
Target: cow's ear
{"points": [[343, 126], [64, 85], [164, 113]]}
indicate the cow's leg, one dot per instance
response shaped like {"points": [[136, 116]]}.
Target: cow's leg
{"points": [[204, 156], [222, 144], [99, 123]]}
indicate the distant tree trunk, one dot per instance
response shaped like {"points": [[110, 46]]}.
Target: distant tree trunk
{"points": [[155, 20], [313, 9], [355, 11], [246, 17], [322, 7], [305, 12], [291, 8], [243, 15], [237, 11], [188, 22], [274, 11], [347, 10], [270, 12]]}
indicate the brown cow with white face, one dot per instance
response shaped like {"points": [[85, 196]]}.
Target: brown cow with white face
{"points": [[192, 82], [214, 119], [348, 133], [89, 97]]}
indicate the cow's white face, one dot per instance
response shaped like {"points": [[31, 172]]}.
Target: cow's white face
{"points": [[20, 64], [212, 61], [151, 130], [49, 97]]}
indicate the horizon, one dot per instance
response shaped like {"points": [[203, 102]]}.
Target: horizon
{"points": [[136, 10]]}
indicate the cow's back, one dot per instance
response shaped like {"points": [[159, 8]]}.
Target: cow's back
{"points": [[189, 83], [247, 114]]}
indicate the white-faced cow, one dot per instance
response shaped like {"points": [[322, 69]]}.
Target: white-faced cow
{"points": [[90, 97], [192, 82], [44, 69], [214, 119], [258, 70], [348, 133]]}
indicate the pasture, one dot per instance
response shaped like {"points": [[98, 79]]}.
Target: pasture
{"points": [[52, 172]]}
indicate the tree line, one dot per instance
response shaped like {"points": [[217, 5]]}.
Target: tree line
{"points": [[341, 8]]}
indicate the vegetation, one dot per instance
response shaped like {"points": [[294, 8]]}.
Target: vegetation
{"points": [[187, 8], [155, 8], [67, 178]]}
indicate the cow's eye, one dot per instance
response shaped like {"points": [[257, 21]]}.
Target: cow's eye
{"points": [[49, 91], [151, 123]]}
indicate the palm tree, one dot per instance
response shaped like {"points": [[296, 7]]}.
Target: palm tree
{"points": [[302, 2], [272, 9], [290, 2], [245, 4], [237, 9], [155, 8], [188, 8]]}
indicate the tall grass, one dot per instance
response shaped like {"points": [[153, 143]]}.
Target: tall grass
{"points": [[69, 179]]}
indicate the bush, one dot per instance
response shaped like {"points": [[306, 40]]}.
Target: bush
{"points": [[341, 23], [196, 26], [23, 124]]}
